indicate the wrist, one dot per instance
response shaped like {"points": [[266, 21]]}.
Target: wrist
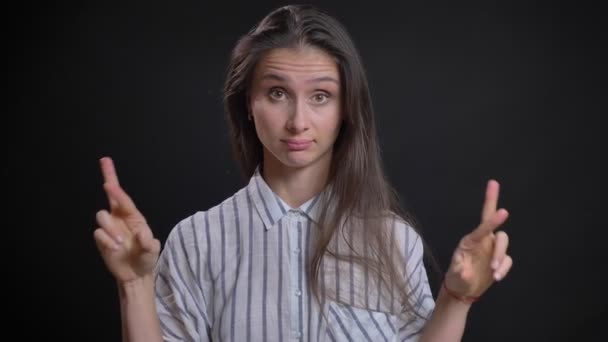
{"points": [[454, 296], [136, 286]]}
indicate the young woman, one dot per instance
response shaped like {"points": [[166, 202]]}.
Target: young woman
{"points": [[315, 247]]}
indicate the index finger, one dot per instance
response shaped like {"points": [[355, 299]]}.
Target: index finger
{"points": [[491, 200], [108, 170], [109, 177]]}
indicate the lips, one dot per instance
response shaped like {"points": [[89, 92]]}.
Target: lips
{"points": [[297, 144]]}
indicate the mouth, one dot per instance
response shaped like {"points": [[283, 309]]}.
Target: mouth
{"points": [[297, 144]]}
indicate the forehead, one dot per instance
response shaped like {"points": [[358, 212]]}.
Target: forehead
{"points": [[299, 63]]}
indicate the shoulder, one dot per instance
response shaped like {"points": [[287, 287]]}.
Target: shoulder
{"points": [[403, 229], [203, 223], [408, 238]]}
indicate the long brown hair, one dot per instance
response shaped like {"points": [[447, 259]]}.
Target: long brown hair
{"points": [[360, 194]]}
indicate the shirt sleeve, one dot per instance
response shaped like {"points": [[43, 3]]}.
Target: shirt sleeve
{"points": [[180, 299], [421, 302]]}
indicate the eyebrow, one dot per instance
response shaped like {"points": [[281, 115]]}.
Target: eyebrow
{"points": [[314, 80]]}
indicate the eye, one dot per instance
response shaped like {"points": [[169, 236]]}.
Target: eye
{"points": [[276, 94], [320, 98]]}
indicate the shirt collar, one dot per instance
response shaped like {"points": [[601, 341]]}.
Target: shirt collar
{"points": [[271, 207]]}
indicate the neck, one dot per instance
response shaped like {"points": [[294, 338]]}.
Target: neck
{"points": [[295, 186]]}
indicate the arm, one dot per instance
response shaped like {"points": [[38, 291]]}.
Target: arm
{"points": [[138, 311], [479, 260], [447, 321], [130, 253]]}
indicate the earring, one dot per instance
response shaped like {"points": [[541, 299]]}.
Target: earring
{"points": [[249, 117]]}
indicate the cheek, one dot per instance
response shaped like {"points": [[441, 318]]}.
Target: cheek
{"points": [[332, 119], [267, 118]]}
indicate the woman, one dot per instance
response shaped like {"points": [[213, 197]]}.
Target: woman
{"points": [[315, 247]]}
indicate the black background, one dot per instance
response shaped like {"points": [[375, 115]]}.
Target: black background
{"points": [[463, 92]]}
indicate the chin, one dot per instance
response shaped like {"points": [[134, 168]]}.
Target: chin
{"points": [[297, 160], [297, 163]]}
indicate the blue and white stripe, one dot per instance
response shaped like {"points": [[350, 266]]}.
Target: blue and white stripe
{"points": [[237, 272]]}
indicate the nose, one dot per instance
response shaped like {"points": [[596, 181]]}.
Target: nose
{"points": [[298, 120]]}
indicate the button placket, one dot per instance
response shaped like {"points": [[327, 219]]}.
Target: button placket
{"points": [[294, 218]]}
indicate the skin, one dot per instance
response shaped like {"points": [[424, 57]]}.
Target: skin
{"points": [[130, 251], [295, 96], [479, 260]]}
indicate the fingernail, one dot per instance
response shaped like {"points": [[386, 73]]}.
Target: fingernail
{"points": [[119, 239], [497, 276]]}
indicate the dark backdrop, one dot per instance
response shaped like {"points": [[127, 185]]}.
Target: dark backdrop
{"points": [[463, 93]]}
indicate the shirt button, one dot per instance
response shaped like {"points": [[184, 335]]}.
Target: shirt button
{"points": [[298, 293], [297, 250], [298, 334]]}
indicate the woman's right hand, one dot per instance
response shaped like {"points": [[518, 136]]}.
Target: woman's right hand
{"points": [[124, 238]]}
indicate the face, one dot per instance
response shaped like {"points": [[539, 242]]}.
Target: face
{"points": [[295, 104]]}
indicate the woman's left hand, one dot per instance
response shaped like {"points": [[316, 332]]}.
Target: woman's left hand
{"points": [[481, 256]]}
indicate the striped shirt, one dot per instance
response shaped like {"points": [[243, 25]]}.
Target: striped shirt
{"points": [[237, 272]]}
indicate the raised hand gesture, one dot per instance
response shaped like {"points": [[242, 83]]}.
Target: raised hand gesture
{"points": [[123, 238], [481, 256]]}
